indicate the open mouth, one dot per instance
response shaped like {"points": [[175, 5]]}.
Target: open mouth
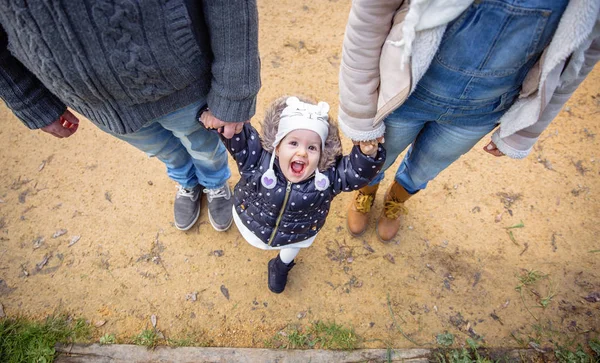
{"points": [[297, 167]]}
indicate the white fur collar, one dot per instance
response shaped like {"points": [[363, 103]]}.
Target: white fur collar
{"points": [[575, 26], [573, 29]]}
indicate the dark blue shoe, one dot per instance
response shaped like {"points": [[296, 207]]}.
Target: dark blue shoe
{"points": [[278, 272]]}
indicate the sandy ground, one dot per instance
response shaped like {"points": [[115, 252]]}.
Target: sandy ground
{"points": [[453, 267]]}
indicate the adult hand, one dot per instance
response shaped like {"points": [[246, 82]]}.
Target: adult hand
{"points": [[227, 129], [65, 126], [491, 148]]}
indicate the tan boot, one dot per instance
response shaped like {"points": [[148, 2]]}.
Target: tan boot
{"points": [[389, 221], [360, 208]]}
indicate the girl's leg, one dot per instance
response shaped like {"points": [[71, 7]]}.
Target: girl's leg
{"points": [[287, 255], [279, 268]]}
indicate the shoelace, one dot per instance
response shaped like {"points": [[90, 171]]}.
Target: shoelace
{"points": [[216, 193], [393, 209], [182, 192], [363, 202]]}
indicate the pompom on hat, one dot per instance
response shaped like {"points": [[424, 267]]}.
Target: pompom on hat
{"points": [[298, 115]]}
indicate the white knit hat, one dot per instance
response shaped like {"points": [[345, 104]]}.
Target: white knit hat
{"points": [[299, 115]]}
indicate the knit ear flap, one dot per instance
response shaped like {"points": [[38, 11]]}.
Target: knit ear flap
{"points": [[268, 179], [321, 180]]}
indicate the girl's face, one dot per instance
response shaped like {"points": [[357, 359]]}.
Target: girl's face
{"points": [[299, 153]]}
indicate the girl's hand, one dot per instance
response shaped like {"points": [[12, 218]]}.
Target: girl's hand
{"points": [[369, 148]]}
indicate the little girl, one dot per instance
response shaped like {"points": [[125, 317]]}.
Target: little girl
{"points": [[287, 183]]}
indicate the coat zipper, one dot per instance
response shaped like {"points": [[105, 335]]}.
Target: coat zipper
{"points": [[287, 195]]}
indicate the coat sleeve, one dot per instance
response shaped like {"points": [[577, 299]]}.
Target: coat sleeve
{"points": [[23, 93], [520, 144], [356, 170], [233, 31], [368, 26], [245, 148]]}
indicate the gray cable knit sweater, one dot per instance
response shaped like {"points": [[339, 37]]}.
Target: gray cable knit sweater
{"points": [[123, 63]]}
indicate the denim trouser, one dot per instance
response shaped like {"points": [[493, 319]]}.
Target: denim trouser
{"points": [[475, 76], [193, 155]]}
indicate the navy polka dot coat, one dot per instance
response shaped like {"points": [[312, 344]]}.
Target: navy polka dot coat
{"points": [[291, 212]]}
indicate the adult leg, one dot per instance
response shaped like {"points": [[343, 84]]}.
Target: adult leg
{"points": [[209, 158], [438, 146], [155, 140], [402, 127]]}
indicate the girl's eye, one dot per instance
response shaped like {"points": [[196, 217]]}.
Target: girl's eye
{"points": [[293, 143], [312, 148]]}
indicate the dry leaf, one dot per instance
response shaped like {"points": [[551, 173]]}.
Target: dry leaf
{"points": [[390, 258], [59, 233], [99, 323], [74, 240], [367, 247], [43, 262], [38, 242], [153, 320], [225, 292], [594, 297]]}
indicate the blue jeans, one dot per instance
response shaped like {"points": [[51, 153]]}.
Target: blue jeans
{"points": [[475, 76], [193, 155]]}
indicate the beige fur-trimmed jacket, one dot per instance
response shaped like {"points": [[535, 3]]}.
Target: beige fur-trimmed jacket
{"points": [[381, 35]]}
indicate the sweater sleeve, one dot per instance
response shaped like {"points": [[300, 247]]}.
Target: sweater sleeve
{"points": [[23, 93], [520, 144], [233, 31], [356, 170]]}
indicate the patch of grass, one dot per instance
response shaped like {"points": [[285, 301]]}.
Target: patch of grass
{"points": [[185, 342], [147, 338], [545, 301], [22, 340], [595, 346], [567, 356], [520, 225], [463, 355], [319, 335], [529, 277], [564, 355], [108, 339], [446, 339], [185, 339]]}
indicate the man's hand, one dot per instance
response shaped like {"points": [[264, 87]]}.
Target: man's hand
{"points": [[227, 129], [491, 148], [65, 126]]}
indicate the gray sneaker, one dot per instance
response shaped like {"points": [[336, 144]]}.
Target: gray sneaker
{"points": [[187, 207], [219, 207]]}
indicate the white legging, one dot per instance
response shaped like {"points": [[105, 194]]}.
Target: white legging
{"points": [[286, 255]]}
